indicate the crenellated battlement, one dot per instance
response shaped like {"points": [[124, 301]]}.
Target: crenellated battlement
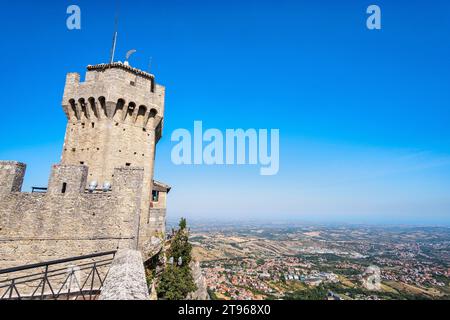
{"points": [[94, 110], [115, 92], [67, 220], [11, 176], [69, 179]]}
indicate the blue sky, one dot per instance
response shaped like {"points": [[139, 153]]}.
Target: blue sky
{"points": [[363, 115]]}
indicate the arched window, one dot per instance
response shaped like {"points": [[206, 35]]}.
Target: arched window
{"points": [[119, 113], [103, 112], [130, 112], [93, 108], [84, 112], [141, 116], [73, 114], [151, 119]]}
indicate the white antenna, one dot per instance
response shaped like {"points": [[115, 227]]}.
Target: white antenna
{"points": [[116, 26], [113, 49]]}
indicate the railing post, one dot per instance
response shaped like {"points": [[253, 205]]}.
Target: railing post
{"points": [[70, 283], [94, 270], [13, 283], [44, 281]]}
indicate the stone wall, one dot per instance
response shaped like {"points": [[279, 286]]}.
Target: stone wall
{"points": [[126, 278], [202, 289], [41, 227], [115, 119], [157, 220], [11, 176]]}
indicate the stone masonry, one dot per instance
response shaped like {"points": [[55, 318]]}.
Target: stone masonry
{"points": [[11, 176], [126, 278], [46, 226], [115, 120]]}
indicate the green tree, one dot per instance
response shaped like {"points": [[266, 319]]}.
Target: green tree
{"points": [[176, 283], [180, 247], [183, 224], [176, 280]]}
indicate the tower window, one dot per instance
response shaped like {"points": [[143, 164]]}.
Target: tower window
{"points": [[152, 88], [155, 196], [82, 162], [132, 83], [93, 125], [128, 164], [64, 188]]}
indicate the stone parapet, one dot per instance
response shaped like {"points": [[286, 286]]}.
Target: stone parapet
{"points": [[126, 278], [11, 176]]}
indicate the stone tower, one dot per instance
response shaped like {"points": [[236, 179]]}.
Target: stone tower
{"points": [[115, 119]]}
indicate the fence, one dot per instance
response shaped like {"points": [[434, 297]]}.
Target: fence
{"points": [[77, 278]]}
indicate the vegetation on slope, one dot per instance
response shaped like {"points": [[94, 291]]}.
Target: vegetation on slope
{"points": [[176, 280]]}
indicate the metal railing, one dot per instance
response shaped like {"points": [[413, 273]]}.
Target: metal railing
{"points": [[38, 190], [77, 278]]}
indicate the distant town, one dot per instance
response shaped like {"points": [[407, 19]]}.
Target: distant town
{"points": [[258, 262]]}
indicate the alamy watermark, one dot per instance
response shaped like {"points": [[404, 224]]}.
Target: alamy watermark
{"points": [[73, 283], [374, 20], [371, 278], [73, 22], [234, 147]]}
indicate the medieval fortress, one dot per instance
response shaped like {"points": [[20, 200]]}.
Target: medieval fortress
{"points": [[102, 196]]}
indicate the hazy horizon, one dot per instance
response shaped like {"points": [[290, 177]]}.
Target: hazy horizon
{"points": [[173, 221]]}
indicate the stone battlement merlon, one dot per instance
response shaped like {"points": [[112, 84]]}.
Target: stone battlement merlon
{"points": [[109, 85], [11, 176], [66, 179], [104, 66]]}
